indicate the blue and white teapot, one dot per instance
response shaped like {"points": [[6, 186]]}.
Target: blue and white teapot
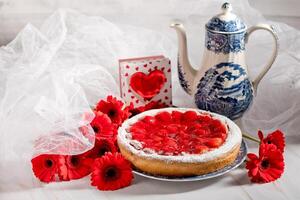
{"points": [[222, 84]]}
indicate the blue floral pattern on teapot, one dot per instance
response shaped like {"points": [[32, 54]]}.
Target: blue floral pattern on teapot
{"points": [[224, 87], [221, 43]]}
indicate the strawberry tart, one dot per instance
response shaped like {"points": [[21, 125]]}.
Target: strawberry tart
{"points": [[179, 141]]}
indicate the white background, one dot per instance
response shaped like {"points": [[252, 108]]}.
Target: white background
{"points": [[15, 14]]}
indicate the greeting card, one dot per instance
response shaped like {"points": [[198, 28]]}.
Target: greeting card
{"points": [[145, 79]]}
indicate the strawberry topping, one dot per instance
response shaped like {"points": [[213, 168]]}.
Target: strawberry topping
{"points": [[179, 132]]}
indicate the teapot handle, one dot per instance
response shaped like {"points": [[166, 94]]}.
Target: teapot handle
{"points": [[271, 30]]}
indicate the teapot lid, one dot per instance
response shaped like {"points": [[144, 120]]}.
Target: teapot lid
{"points": [[226, 22]]}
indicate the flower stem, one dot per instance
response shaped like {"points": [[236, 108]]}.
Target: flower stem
{"points": [[248, 136]]}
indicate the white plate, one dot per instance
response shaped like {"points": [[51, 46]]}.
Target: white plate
{"points": [[238, 161]]}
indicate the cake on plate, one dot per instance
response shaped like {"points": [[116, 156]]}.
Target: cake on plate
{"points": [[179, 141]]}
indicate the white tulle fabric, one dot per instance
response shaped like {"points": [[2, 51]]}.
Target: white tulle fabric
{"points": [[50, 76]]}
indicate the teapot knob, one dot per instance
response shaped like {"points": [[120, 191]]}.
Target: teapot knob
{"points": [[226, 7]]}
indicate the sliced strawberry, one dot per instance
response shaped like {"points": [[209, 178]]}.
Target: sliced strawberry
{"points": [[162, 133], [138, 131], [157, 145], [134, 129], [148, 142], [157, 138], [139, 137], [140, 124], [214, 142], [183, 128], [204, 118], [183, 136], [201, 132], [170, 145], [220, 128], [214, 123], [176, 116], [189, 116], [200, 140], [201, 149], [173, 128], [164, 117], [219, 135], [194, 126]]}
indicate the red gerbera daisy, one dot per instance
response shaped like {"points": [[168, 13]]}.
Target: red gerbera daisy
{"points": [[114, 109], [111, 172], [102, 146], [45, 167], [74, 167], [268, 167], [276, 138], [102, 126]]}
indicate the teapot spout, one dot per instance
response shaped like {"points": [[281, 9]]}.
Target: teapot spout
{"points": [[186, 72]]}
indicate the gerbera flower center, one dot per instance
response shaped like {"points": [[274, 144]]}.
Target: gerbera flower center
{"points": [[103, 150], [111, 113], [96, 129], [265, 164], [74, 160], [48, 163], [111, 173]]}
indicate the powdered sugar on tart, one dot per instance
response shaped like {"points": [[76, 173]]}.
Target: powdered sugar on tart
{"points": [[179, 135]]}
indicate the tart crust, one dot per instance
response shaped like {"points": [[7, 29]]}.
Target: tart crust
{"points": [[188, 165], [160, 167]]}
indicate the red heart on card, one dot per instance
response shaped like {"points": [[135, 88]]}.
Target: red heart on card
{"points": [[147, 86]]}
